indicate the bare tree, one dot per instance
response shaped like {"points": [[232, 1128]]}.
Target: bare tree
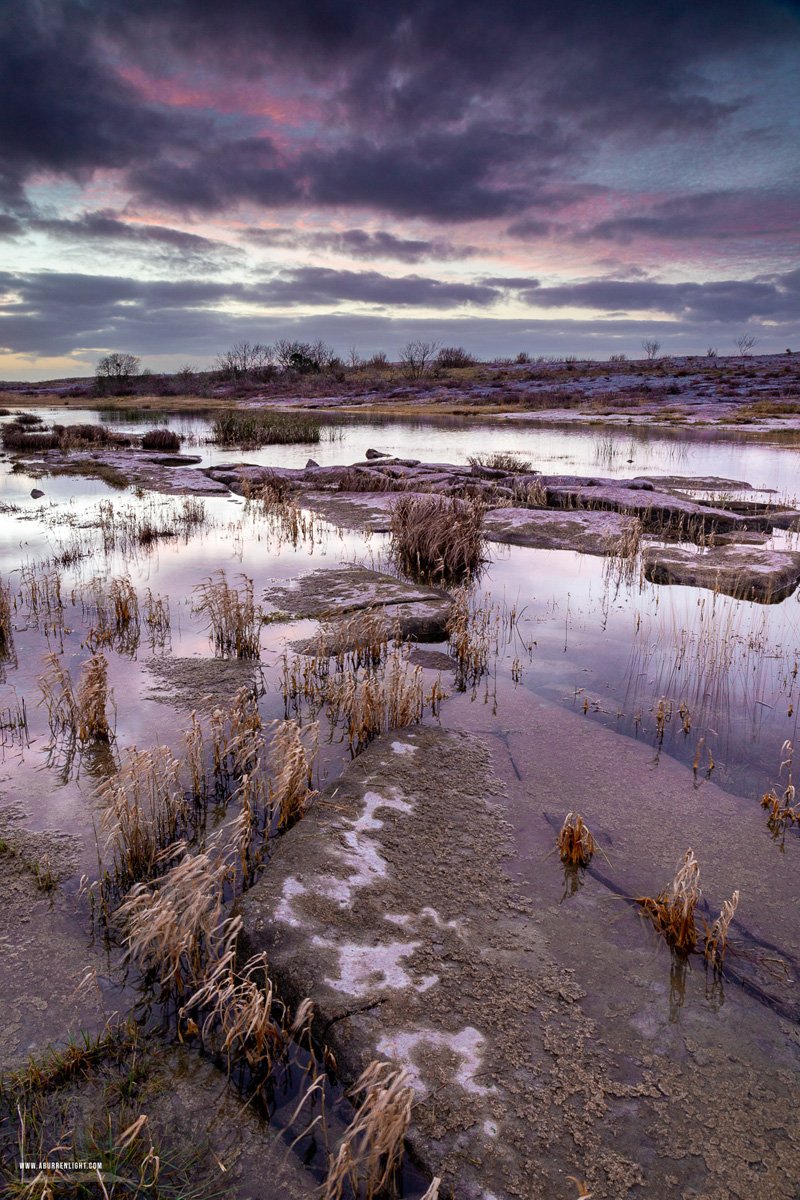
{"points": [[745, 342], [353, 358], [118, 366], [243, 359], [417, 356], [651, 348]]}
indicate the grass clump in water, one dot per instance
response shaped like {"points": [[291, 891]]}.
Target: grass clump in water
{"points": [[501, 460], [232, 618], [672, 911], [161, 439], [263, 427], [438, 538], [372, 1146], [80, 712], [575, 842]]}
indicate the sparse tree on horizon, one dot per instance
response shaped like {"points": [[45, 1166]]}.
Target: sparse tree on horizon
{"points": [[416, 357], [243, 359], [744, 343], [651, 348]]}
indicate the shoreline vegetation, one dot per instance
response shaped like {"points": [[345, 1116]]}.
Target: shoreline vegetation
{"points": [[753, 393]]}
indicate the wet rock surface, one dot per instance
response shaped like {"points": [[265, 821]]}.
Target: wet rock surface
{"points": [[745, 571], [421, 612], [586, 530], [392, 905], [187, 682]]}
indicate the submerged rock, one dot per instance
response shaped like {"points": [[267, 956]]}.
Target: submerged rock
{"points": [[590, 531], [421, 612], [745, 571]]}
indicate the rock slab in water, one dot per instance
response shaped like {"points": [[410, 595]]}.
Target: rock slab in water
{"points": [[389, 908], [745, 571], [590, 531], [421, 612]]}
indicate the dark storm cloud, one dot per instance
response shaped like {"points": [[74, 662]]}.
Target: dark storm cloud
{"points": [[717, 215], [359, 243], [429, 109], [320, 286], [63, 108], [9, 226], [107, 227], [51, 313], [48, 312], [726, 300]]}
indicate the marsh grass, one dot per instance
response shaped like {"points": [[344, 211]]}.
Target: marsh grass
{"points": [[501, 460], [475, 629], [372, 1147], [362, 703], [717, 936], [263, 427], [40, 591], [112, 605], [6, 626], [157, 619], [79, 712], [438, 538], [128, 529], [291, 758], [161, 439], [575, 842], [232, 618], [781, 807], [672, 911]]}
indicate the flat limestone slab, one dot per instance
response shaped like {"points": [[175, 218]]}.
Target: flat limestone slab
{"points": [[421, 612], [590, 531], [388, 906], [745, 571]]}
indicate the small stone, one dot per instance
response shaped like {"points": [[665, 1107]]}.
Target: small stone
{"points": [[37, 493], [311, 463], [376, 454]]}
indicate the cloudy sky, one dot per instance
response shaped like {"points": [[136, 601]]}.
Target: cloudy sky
{"points": [[505, 175]]}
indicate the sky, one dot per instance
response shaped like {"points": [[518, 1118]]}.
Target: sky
{"points": [[503, 175]]}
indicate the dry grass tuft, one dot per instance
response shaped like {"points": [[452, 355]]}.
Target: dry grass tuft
{"points": [[672, 911], [474, 629], [243, 1008], [6, 628], [372, 1146], [501, 460], [575, 842], [78, 712], [782, 808], [292, 755], [232, 617], [175, 925], [145, 812], [438, 537], [716, 937]]}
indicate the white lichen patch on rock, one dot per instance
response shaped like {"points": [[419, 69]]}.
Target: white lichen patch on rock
{"points": [[467, 1045], [363, 968]]}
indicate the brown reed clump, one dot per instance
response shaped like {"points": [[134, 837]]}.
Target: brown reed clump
{"points": [[79, 712], [40, 592], [782, 808], [474, 628], [292, 755], [716, 937], [672, 911], [6, 628], [161, 439], [575, 842], [175, 926], [251, 1020], [501, 460], [438, 537], [233, 620], [372, 1145], [145, 812]]}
